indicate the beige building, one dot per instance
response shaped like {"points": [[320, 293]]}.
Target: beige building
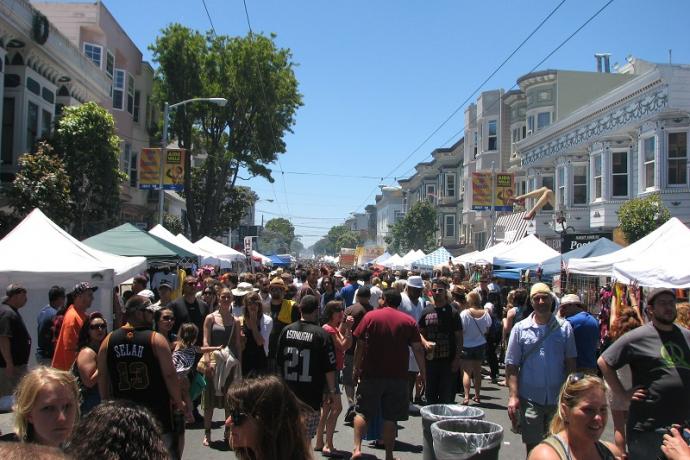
{"points": [[114, 58]]}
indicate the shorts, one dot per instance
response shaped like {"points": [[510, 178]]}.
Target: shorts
{"points": [[347, 370], [473, 353], [311, 422], [390, 396], [534, 421]]}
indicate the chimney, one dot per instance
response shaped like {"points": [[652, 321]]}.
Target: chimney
{"points": [[603, 62]]}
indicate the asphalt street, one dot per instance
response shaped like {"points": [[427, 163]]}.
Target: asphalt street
{"points": [[408, 446]]}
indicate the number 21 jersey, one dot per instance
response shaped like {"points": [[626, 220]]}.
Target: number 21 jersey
{"points": [[305, 354]]}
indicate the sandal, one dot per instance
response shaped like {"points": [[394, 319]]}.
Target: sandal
{"points": [[207, 438]]}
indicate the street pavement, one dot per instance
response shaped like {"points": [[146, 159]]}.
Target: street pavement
{"points": [[408, 446]]}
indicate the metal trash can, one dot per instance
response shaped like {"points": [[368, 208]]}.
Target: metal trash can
{"points": [[466, 439], [437, 412]]}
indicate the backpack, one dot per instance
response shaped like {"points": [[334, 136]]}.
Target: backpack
{"points": [[493, 334]]}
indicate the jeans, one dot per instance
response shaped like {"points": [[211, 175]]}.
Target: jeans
{"points": [[491, 358], [440, 382]]}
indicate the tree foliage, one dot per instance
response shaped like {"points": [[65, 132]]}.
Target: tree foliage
{"points": [[278, 236], [641, 216], [41, 182], [257, 79], [339, 236], [417, 230], [173, 224], [85, 138]]}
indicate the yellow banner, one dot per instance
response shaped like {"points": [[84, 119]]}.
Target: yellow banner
{"points": [[150, 167], [481, 191]]}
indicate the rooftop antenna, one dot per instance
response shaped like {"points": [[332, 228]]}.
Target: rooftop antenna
{"points": [[670, 55]]}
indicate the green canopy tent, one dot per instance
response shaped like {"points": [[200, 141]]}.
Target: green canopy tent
{"points": [[128, 240]]}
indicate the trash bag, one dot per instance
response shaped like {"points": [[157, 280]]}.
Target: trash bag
{"points": [[466, 439], [437, 412]]}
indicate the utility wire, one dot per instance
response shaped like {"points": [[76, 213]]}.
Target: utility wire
{"points": [[209, 17], [467, 99], [567, 39], [270, 124]]}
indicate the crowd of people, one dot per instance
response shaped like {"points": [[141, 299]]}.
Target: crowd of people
{"points": [[276, 350]]}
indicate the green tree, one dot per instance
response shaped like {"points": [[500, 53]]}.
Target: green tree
{"points": [[348, 239], [322, 247], [417, 230], [257, 79], [641, 216], [340, 236], [85, 138], [41, 182], [297, 247], [278, 235], [173, 224]]}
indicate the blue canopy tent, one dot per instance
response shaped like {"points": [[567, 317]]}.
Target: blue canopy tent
{"points": [[429, 261], [552, 266], [279, 261]]}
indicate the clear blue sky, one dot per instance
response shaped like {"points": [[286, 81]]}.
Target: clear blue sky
{"points": [[378, 77]]}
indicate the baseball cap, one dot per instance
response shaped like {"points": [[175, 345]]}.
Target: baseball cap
{"points": [[165, 284], [658, 291], [82, 287], [570, 299], [539, 288], [147, 293]]}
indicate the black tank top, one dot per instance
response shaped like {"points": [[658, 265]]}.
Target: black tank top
{"points": [[135, 373]]}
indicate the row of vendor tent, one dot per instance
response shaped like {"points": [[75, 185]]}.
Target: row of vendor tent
{"points": [[659, 259], [555, 264], [526, 252], [413, 259], [38, 254]]}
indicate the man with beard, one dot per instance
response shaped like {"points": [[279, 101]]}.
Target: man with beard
{"points": [[283, 312], [189, 308], [659, 357], [413, 304]]}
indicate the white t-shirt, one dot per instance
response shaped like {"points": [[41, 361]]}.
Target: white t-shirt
{"points": [[415, 311], [473, 329]]}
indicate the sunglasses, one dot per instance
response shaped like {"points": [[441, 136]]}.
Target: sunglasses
{"points": [[167, 318], [238, 417], [438, 290], [94, 327], [209, 293], [575, 377], [225, 297]]}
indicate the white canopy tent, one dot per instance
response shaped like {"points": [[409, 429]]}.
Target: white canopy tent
{"points": [[394, 262], [669, 268], [220, 250], [382, 258], [660, 247], [39, 254], [261, 258], [482, 257], [410, 257], [206, 257], [527, 251]]}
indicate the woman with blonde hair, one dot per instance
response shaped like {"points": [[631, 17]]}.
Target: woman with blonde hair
{"points": [[46, 407], [579, 422], [475, 324]]}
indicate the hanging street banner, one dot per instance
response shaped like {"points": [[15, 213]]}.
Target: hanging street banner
{"points": [[481, 191], [150, 167]]}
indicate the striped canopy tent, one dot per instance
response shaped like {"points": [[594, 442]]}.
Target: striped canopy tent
{"points": [[439, 256]]}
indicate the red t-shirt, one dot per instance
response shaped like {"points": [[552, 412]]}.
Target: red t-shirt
{"points": [[387, 334]]}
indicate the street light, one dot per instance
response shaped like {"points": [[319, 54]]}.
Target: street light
{"points": [[221, 101]]}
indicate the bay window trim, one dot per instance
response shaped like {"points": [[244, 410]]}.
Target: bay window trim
{"points": [[668, 157]]}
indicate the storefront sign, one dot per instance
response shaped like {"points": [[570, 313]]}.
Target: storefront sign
{"points": [[150, 167], [572, 241]]}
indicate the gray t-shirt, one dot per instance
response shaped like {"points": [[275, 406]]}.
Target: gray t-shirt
{"points": [[660, 362]]}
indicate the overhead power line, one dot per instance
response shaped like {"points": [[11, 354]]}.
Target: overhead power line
{"points": [[209, 17]]}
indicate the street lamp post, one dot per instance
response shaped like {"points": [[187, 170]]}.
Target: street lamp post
{"points": [[221, 101]]}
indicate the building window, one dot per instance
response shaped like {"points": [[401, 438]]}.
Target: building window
{"points": [[430, 193], [579, 184], [6, 155], [648, 156], [137, 102], [547, 181], [126, 157], [677, 158], [109, 64], [119, 89], [560, 173], [33, 86], [493, 136], [133, 170], [449, 226], [94, 53], [450, 185], [530, 125], [543, 120], [31, 125], [46, 120], [619, 174], [476, 141], [130, 94], [596, 176], [397, 216]]}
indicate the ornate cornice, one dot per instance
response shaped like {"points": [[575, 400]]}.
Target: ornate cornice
{"points": [[603, 123]]}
